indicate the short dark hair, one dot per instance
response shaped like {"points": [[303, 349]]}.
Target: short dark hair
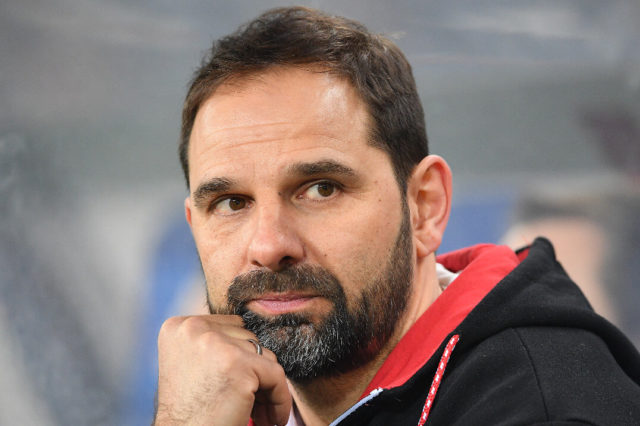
{"points": [[296, 36]]}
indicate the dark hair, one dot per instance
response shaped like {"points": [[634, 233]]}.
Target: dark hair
{"points": [[300, 36]]}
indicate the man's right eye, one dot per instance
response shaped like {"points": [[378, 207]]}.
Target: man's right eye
{"points": [[229, 205]]}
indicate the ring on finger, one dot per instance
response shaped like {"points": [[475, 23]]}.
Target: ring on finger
{"points": [[257, 345]]}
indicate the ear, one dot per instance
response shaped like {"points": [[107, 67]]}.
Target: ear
{"points": [[187, 209], [429, 200]]}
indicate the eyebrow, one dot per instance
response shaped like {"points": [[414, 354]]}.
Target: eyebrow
{"points": [[319, 168], [210, 188]]}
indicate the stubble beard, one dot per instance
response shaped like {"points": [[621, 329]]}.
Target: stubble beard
{"points": [[346, 338]]}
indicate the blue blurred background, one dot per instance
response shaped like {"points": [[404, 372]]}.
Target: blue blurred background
{"points": [[535, 105]]}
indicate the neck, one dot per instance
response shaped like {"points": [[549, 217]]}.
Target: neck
{"points": [[323, 400]]}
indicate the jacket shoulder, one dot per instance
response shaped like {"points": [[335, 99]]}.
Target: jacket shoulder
{"points": [[537, 375], [578, 376]]}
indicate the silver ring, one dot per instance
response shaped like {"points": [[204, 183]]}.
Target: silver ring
{"points": [[257, 345]]}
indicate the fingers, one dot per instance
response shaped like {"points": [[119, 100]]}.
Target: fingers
{"points": [[197, 324], [231, 326], [272, 400], [209, 370]]}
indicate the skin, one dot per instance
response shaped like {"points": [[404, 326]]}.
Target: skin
{"points": [[281, 173]]}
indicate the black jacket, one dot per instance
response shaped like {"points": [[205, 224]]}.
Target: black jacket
{"points": [[531, 351]]}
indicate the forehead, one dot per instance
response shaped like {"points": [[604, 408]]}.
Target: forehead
{"points": [[278, 111]]}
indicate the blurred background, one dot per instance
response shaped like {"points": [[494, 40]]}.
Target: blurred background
{"points": [[535, 104]]}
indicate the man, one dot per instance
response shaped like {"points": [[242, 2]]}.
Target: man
{"points": [[317, 212]]}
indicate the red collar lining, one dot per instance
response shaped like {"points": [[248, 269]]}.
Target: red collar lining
{"points": [[482, 266]]}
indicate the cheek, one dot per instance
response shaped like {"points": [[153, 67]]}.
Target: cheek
{"points": [[358, 251], [220, 263]]}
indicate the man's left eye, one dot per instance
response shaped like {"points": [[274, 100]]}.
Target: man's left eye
{"points": [[320, 190]]}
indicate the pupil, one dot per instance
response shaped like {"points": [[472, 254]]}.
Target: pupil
{"points": [[236, 203], [325, 189]]}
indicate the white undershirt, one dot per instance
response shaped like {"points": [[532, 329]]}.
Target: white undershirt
{"points": [[445, 276]]}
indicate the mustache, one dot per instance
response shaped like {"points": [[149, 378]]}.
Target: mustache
{"points": [[299, 278]]}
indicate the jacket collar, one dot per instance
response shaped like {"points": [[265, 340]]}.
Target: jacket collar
{"points": [[481, 267]]}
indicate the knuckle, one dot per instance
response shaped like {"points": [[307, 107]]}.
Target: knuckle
{"points": [[211, 340], [169, 327], [193, 323], [269, 353], [280, 371], [247, 385]]}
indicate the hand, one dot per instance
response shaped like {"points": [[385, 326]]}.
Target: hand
{"points": [[209, 373]]}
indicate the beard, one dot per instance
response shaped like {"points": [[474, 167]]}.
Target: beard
{"points": [[347, 337]]}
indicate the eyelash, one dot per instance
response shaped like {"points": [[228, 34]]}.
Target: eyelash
{"points": [[336, 188], [223, 198]]}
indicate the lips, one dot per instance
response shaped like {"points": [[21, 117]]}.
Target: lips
{"points": [[280, 303]]}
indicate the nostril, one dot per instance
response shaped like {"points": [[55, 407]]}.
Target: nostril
{"points": [[287, 261]]}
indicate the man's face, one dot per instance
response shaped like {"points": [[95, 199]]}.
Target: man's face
{"points": [[292, 205]]}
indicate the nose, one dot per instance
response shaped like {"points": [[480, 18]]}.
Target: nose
{"points": [[275, 243]]}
